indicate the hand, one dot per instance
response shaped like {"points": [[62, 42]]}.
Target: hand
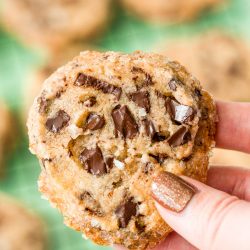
{"points": [[217, 215]]}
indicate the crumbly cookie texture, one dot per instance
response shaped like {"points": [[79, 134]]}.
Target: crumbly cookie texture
{"points": [[170, 11], [54, 61], [55, 23], [103, 125], [7, 132], [19, 229], [219, 60]]}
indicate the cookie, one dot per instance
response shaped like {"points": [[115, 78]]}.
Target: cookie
{"points": [[7, 132], [222, 157], [19, 228], [55, 23], [220, 61], [37, 78], [170, 11], [103, 125]]}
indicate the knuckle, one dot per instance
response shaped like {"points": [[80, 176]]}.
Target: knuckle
{"points": [[215, 220]]}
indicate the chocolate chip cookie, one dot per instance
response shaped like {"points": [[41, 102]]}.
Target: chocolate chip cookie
{"points": [[55, 23], [19, 228], [170, 11], [103, 125], [7, 132], [220, 61]]}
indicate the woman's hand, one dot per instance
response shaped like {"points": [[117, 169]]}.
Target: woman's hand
{"points": [[217, 215]]}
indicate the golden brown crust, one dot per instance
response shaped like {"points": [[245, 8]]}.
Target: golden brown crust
{"points": [[114, 206]]}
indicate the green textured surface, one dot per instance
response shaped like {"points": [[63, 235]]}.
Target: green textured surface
{"points": [[126, 34]]}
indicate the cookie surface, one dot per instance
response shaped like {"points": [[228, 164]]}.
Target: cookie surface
{"points": [[171, 11], [219, 61], [19, 229], [7, 132], [54, 61], [103, 125], [55, 23]]}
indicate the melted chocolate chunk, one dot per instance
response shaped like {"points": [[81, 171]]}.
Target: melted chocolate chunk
{"points": [[94, 122], [178, 112], [58, 122], [158, 137], [159, 158], [140, 224], [93, 161], [43, 104], [141, 98], [151, 132], [148, 79], [90, 81], [109, 163], [90, 102], [149, 128], [180, 137], [125, 123], [125, 212]]}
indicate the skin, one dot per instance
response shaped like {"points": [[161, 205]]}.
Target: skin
{"points": [[218, 215]]}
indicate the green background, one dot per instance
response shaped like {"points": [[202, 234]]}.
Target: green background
{"points": [[125, 33]]}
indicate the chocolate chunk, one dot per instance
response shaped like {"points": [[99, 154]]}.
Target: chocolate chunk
{"points": [[178, 112], [109, 163], [90, 102], [93, 161], [151, 132], [159, 158], [148, 168], [149, 128], [148, 79], [124, 122], [172, 84], [43, 104], [141, 98], [94, 122], [180, 137], [140, 224], [160, 95], [158, 137], [90, 81], [125, 212], [197, 93], [58, 122]]}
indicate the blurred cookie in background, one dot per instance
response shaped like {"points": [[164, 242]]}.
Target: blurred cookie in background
{"points": [[7, 134], [55, 23], [41, 74], [223, 157], [19, 228], [220, 61], [169, 10]]}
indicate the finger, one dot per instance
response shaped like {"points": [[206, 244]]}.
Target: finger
{"points": [[233, 129], [174, 241], [208, 219], [234, 181]]}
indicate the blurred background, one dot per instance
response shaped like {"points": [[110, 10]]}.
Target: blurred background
{"points": [[210, 37]]}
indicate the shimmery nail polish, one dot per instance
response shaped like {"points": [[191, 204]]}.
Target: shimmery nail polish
{"points": [[171, 191]]}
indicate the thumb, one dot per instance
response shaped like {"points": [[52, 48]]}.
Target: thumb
{"points": [[206, 217]]}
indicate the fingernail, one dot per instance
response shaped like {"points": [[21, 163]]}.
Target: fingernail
{"points": [[171, 191]]}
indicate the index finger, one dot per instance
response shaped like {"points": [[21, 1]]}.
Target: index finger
{"points": [[233, 129]]}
